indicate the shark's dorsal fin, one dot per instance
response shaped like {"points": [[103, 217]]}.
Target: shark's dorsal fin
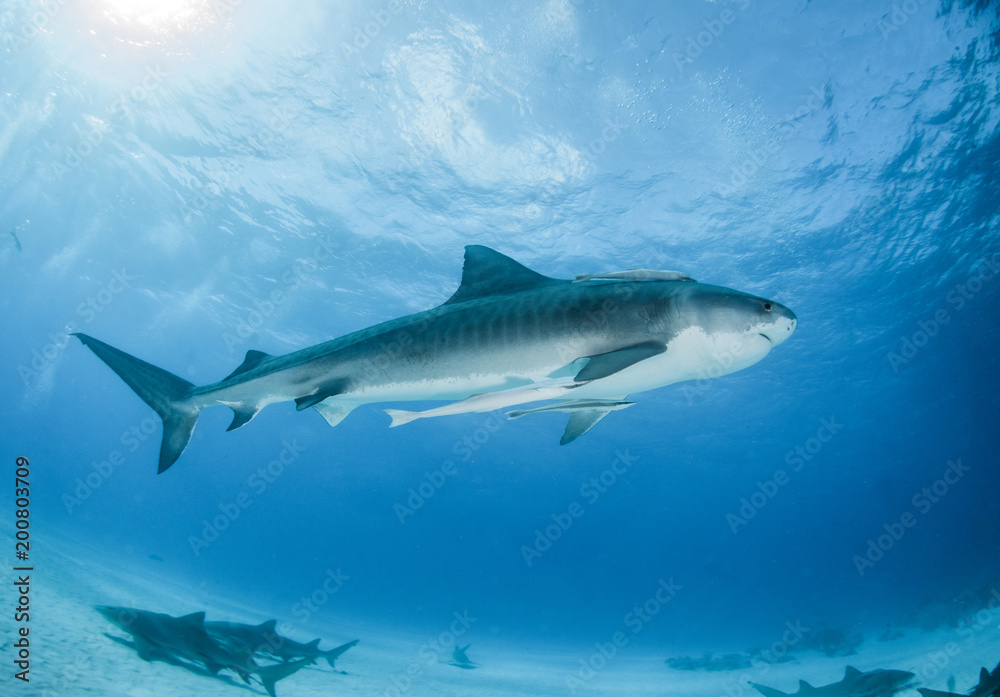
{"points": [[268, 626], [252, 360], [984, 676], [851, 673], [313, 645], [195, 618], [488, 272], [805, 687]]}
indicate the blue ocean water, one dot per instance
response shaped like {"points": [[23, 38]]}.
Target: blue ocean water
{"points": [[190, 180]]}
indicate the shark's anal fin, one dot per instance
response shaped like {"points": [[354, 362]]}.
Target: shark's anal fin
{"points": [[242, 414], [252, 360], [604, 364], [332, 389]]}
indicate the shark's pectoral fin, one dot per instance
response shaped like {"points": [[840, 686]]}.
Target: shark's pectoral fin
{"points": [[580, 422], [604, 364], [334, 412], [332, 389]]}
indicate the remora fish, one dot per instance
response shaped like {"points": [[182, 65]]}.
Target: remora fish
{"points": [[507, 336]]}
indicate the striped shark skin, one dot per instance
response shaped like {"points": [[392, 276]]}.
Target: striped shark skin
{"points": [[508, 336]]}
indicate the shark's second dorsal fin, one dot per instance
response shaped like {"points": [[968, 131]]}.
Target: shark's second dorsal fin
{"points": [[488, 272], [195, 618], [851, 673], [252, 360]]}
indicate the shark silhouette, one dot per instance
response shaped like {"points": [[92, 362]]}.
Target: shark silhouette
{"points": [[507, 336], [875, 683]]}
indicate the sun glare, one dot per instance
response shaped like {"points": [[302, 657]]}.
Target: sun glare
{"points": [[158, 15]]}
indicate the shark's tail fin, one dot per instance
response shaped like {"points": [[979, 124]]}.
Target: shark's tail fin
{"points": [[167, 394], [332, 655], [279, 671]]}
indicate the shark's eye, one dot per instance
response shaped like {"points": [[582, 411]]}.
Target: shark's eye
{"points": [[767, 307]]}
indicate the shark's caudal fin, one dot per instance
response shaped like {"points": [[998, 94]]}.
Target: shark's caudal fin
{"points": [[167, 394], [332, 655], [271, 674]]}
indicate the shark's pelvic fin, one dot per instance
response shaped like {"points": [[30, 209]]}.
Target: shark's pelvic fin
{"points": [[325, 392], [488, 272], [167, 394], [605, 364]]}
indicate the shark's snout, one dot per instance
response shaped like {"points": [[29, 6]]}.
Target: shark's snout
{"points": [[782, 324]]}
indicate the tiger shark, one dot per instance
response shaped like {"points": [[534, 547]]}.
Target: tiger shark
{"points": [[508, 336], [874, 683], [160, 636]]}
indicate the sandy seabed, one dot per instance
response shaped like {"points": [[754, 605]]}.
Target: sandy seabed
{"points": [[71, 654]]}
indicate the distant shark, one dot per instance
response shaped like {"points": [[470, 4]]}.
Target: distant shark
{"points": [[875, 683], [460, 660], [264, 639], [157, 636], [989, 686], [508, 336]]}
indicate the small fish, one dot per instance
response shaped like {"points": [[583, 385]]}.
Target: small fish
{"points": [[17, 242]]}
